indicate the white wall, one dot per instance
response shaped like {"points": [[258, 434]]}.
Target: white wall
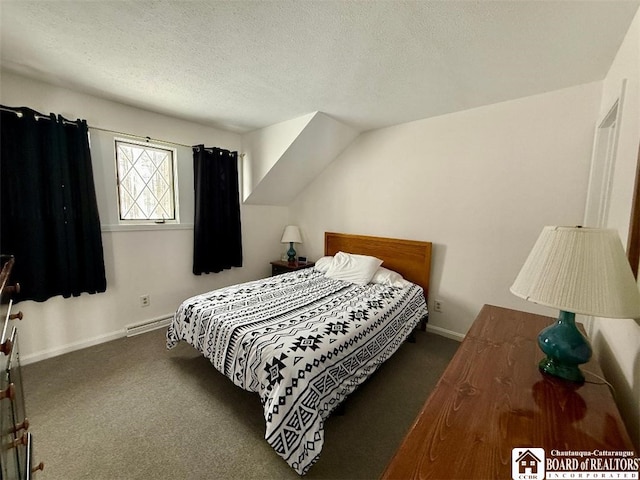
{"points": [[617, 342], [265, 146], [480, 184], [157, 263], [310, 150]]}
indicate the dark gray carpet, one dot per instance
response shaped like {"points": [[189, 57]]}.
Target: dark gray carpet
{"points": [[130, 409]]}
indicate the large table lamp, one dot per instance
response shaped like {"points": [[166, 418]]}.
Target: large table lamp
{"points": [[291, 235], [576, 270]]}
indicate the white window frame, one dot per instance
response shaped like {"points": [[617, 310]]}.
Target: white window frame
{"points": [[174, 166]]}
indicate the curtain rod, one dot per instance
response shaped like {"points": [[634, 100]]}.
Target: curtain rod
{"points": [[38, 116], [6, 109], [69, 122], [148, 139]]}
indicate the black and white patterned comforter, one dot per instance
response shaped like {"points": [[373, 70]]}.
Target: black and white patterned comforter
{"points": [[302, 341]]}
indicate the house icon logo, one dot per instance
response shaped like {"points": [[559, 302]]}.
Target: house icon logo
{"points": [[527, 464]]}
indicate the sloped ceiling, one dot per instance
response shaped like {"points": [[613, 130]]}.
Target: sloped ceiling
{"points": [[245, 65], [282, 159]]}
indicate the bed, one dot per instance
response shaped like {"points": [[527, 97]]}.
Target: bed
{"points": [[304, 341]]}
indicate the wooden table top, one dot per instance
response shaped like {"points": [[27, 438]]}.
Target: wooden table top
{"points": [[492, 398]]}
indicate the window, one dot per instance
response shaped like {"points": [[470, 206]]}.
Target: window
{"points": [[147, 183]]}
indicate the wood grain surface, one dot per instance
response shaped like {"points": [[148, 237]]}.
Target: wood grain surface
{"points": [[492, 398]]}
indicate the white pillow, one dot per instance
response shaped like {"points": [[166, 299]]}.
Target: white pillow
{"points": [[323, 263], [389, 278], [358, 269]]}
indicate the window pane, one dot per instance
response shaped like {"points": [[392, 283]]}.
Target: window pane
{"points": [[145, 182]]}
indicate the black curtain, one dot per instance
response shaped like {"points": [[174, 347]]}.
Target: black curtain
{"points": [[217, 235], [49, 214]]}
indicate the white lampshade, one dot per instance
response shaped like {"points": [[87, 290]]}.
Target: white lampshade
{"points": [[291, 234], [580, 270]]}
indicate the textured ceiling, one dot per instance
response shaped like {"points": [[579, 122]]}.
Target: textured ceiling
{"points": [[243, 65]]}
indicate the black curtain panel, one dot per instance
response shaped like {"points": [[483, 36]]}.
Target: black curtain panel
{"points": [[217, 235], [49, 214]]}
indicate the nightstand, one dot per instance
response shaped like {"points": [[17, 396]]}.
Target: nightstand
{"points": [[279, 266]]}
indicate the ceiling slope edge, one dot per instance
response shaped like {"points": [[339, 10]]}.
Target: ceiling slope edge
{"points": [[273, 175]]}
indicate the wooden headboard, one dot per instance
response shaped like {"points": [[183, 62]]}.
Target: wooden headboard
{"points": [[410, 258]]}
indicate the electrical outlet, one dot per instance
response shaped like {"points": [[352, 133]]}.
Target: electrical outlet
{"points": [[145, 300], [437, 306]]}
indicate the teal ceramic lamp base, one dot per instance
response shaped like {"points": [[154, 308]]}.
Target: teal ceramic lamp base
{"points": [[291, 253], [566, 348]]}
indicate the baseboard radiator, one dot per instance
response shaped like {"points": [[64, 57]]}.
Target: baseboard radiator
{"points": [[147, 326]]}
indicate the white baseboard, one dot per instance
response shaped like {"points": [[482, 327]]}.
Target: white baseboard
{"points": [[443, 332], [70, 347], [129, 330], [153, 324]]}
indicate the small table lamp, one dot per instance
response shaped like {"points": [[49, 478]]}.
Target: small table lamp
{"points": [[291, 235], [577, 270]]}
